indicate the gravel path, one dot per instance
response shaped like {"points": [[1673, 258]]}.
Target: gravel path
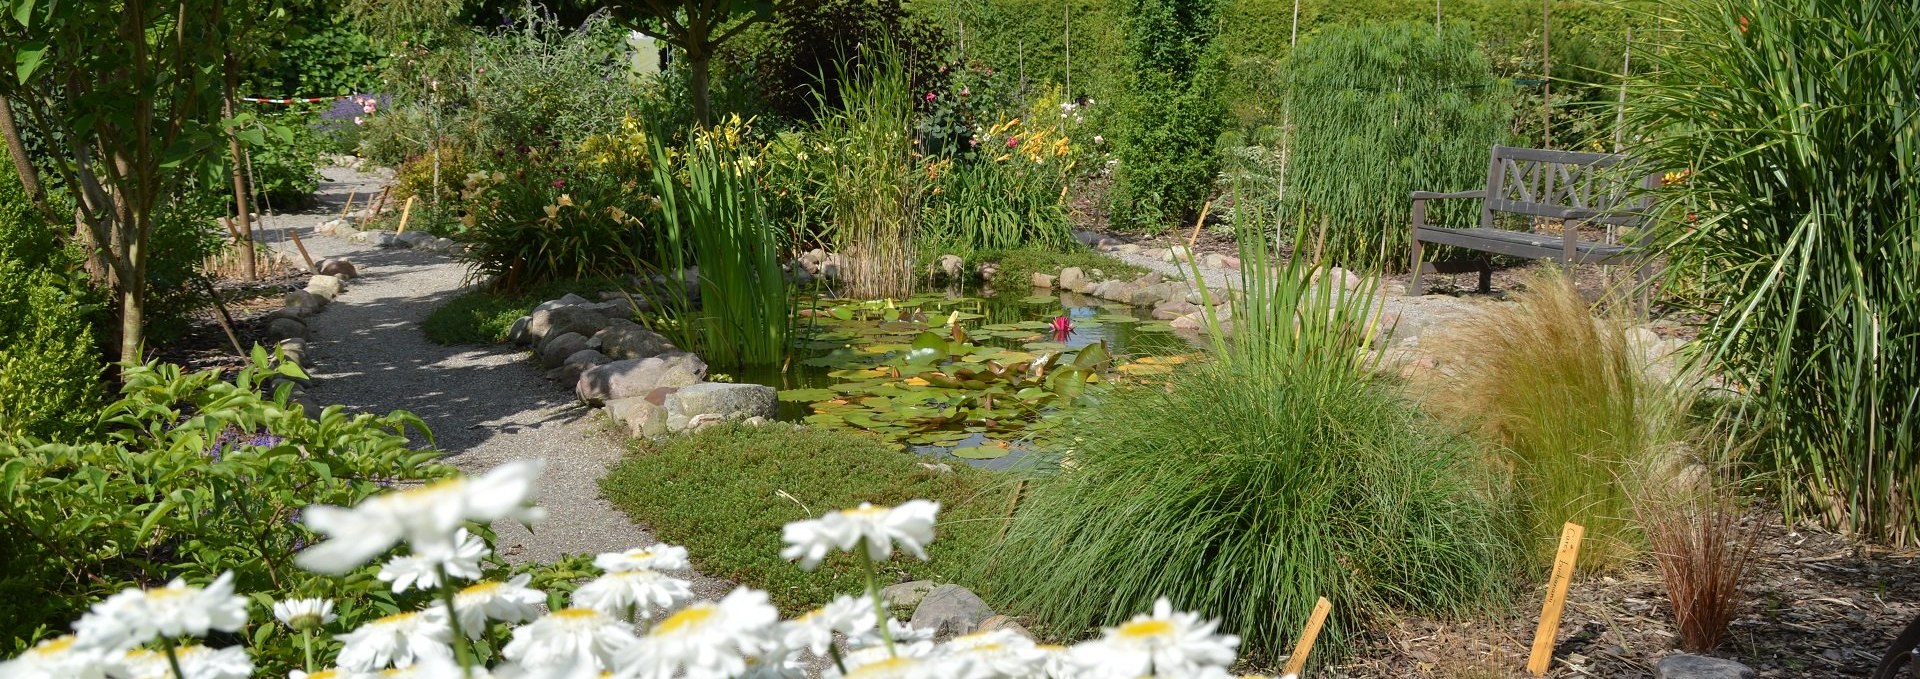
{"points": [[486, 405]]}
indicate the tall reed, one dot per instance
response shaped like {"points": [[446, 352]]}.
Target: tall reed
{"points": [[1790, 221], [711, 209], [873, 181]]}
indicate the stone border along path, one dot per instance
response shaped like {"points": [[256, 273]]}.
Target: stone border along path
{"points": [[486, 405]]}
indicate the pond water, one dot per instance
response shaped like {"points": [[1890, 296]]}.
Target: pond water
{"points": [[990, 393]]}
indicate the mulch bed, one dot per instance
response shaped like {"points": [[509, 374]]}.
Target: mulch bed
{"points": [[204, 345]]}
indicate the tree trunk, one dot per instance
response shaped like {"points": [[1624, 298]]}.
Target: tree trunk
{"points": [[245, 225], [699, 68], [22, 165]]}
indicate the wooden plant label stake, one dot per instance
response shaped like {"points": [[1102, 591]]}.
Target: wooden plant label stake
{"points": [[404, 213], [1563, 560], [344, 209], [1297, 662], [295, 234]]}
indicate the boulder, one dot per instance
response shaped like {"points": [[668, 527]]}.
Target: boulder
{"points": [[345, 232], [1168, 311], [378, 239], [339, 268], [518, 333], [295, 313], [576, 363], [642, 416], [1114, 290], [555, 350], [569, 299], [1689, 666], [701, 421], [950, 611], [950, 266], [1041, 280], [1071, 278], [1151, 278], [619, 309], [325, 286], [565, 319], [286, 328], [294, 349], [637, 377], [737, 401], [1086, 287], [306, 303], [1128, 248], [1001, 622], [623, 339], [413, 239], [907, 594], [1152, 294]]}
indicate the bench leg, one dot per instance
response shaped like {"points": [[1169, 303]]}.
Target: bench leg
{"points": [[1414, 288], [1486, 275], [1642, 291]]}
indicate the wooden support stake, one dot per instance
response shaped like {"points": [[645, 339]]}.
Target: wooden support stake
{"points": [[1297, 662], [344, 209], [378, 205], [295, 234], [1195, 236], [226, 321], [1013, 504], [404, 213], [1563, 560]]}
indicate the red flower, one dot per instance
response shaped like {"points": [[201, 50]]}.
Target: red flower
{"points": [[1743, 24], [1013, 141], [559, 183], [930, 96]]}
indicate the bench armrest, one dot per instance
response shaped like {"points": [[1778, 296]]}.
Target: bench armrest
{"points": [[1429, 195]]}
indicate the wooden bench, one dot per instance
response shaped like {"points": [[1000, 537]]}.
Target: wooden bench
{"points": [[1575, 188]]}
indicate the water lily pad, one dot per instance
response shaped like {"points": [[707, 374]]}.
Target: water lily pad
{"points": [[806, 395], [986, 452]]}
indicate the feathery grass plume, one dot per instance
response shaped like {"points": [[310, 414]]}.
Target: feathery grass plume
{"points": [[1382, 110], [1791, 220], [1254, 484], [1697, 533], [1568, 401], [872, 187]]}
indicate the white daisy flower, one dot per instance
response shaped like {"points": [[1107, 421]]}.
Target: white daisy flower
{"points": [[905, 661], [659, 557], [705, 639], [134, 616], [328, 673], [999, 653], [510, 601], [911, 524], [58, 658], [901, 632], [423, 517], [632, 593], [1165, 643], [196, 662], [304, 614], [848, 615], [398, 640], [441, 668], [567, 638], [459, 559]]}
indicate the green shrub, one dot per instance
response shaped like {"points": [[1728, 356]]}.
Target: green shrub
{"points": [[284, 167], [49, 363], [996, 204], [1168, 120], [1793, 231], [1381, 111], [533, 218], [801, 50], [725, 492]]}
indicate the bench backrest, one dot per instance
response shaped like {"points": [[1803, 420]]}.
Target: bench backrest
{"points": [[1596, 187]]}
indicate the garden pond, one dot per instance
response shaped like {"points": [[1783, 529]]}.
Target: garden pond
{"points": [[979, 379]]}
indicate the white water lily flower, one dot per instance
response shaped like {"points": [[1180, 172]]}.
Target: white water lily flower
{"points": [[567, 638], [135, 616], [398, 640], [1165, 643], [847, 615], [423, 568], [635, 592], [57, 658], [196, 662], [911, 524], [705, 639], [423, 517], [510, 601], [304, 614], [999, 653], [660, 557]]}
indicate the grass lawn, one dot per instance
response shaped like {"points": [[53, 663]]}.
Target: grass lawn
{"points": [[485, 316], [725, 492]]}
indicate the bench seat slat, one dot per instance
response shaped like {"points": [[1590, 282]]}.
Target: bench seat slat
{"points": [[1521, 244]]}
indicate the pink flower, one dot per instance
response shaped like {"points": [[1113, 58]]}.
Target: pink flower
{"points": [[1012, 142], [965, 91], [559, 183], [1062, 326], [368, 108], [930, 96]]}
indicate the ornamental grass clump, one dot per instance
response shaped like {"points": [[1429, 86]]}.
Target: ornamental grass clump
{"points": [[1790, 219]]}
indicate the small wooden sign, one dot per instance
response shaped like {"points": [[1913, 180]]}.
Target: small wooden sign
{"points": [[404, 213], [1563, 561], [1297, 662]]}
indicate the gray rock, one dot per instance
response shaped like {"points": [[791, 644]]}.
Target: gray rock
{"points": [[950, 611], [518, 333], [378, 239], [1689, 666], [623, 339], [555, 350], [619, 309], [1044, 281], [305, 303], [1152, 294], [295, 313], [565, 319], [325, 286], [286, 328], [641, 415], [579, 362], [413, 239], [1168, 311], [1072, 277], [569, 300], [1086, 287], [338, 268], [1151, 278], [1129, 248], [737, 401], [345, 232], [700, 422], [951, 266], [631, 377], [1001, 622], [1177, 253], [1117, 291], [907, 594]]}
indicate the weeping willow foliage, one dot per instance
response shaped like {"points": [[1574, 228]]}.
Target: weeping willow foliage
{"points": [[1797, 228], [1380, 111]]}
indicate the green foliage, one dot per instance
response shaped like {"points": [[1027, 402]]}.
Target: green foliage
{"points": [[485, 316], [804, 46], [1381, 111], [187, 227], [539, 83], [725, 492], [193, 477], [283, 163], [867, 178], [49, 365], [1795, 235], [1027, 40], [998, 204], [1170, 117], [319, 54]]}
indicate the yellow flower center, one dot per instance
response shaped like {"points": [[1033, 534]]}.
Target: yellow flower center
{"points": [[480, 588], [687, 617], [396, 618], [430, 489], [53, 646], [576, 614], [866, 512], [882, 667], [325, 674], [1146, 628]]}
